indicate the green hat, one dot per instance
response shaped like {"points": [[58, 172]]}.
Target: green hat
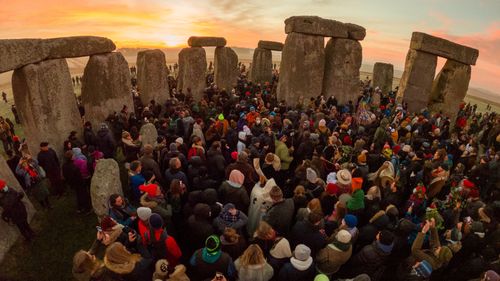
{"points": [[221, 117], [321, 277]]}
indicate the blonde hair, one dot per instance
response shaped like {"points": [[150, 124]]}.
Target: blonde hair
{"points": [[117, 256], [299, 191], [315, 205], [230, 235], [264, 231], [83, 262], [253, 255]]}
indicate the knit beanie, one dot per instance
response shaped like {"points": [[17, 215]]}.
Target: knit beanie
{"points": [[107, 223], [144, 213], [321, 277], [156, 221], [424, 269], [342, 240], [302, 252], [236, 177], [281, 249], [445, 255], [332, 189], [351, 220], [161, 268], [311, 175], [212, 244]]}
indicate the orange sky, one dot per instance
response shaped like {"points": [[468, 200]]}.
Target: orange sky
{"points": [[168, 23]]}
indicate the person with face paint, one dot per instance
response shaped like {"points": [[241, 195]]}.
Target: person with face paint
{"points": [[14, 210]]}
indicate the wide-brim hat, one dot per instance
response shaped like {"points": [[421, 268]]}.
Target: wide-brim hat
{"points": [[344, 177]]}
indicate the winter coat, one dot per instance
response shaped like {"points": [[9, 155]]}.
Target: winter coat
{"points": [[234, 194], [281, 150], [246, 169], [370, 260], [303, 232], [215, 164], [357, 202], [330, 259], [220, 224], [428, 255], [199, 226], [291, 272], [204, 270], [49, 162], [280, 216], [233, 249], [14, 209], [105, 143], [122, 215], [257, 272], [149, 164], [142, 271], [259, 199], [179, 175]]}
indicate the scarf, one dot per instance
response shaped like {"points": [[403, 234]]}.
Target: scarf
{"points": [[227, 217], [339, 245]]}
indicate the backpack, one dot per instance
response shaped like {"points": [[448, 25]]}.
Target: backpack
{"points": [[158, 248]]}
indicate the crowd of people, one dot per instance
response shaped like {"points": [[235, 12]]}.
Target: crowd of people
{"points": [[243, 186]]}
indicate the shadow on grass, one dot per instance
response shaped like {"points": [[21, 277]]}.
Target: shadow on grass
{"points": [[60, 233]]}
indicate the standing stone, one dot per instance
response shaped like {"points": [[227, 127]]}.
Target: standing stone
{"points": [[270, 45], [314, 25], [342, 63], [106, 87], [152, 76], [416, 83], [302, 67], [383, 73], [262, 66], [77, 46], [10, 233], [44, 97], [443, 48], [192, 71], [205, 41], [15, 53], [225, 68], [105, 181], [148, 134], [449, 88], [355, 32]]}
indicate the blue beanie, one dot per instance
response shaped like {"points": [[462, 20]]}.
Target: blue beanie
{"points": [[156, 221], [351, 220], [424, 269]]}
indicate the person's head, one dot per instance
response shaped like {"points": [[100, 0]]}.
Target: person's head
{"points": [[265, 231], [315, 217], [231, 209], [144, 213], [156, 221], [314, 205], [385, 237], [136, 166], [44, 146], [116, 200], [230, 235], [276, 194], [68, 155], [117, 256], [299, 191], [174, 163], [85, 262], [253, 255], [197, 140], [177, 187], [350, 221], [148, 150]]}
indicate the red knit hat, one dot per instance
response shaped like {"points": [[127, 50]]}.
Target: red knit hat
{"points": [[396, 149], [332, 189], [234, 155], [468, 184], [2, 183], [107, 223], [473, 193]]}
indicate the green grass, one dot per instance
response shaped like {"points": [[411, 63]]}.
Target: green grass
{"points": [[60, 233]]}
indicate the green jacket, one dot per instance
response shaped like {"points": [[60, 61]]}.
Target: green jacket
{"points": [[357, 201], [281, 150]]}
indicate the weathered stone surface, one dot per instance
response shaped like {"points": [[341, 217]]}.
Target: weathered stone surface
{"points": [[443, 48], [416, 83], [149, 134], [225, 68], [449, 88], [106, 87], [45, 100], [105, 181], [270, 45], [77, 46], [205, 41], [10, 233], [342, 62], [192, 71], [383, 74], [15, 53], [152, 76], [262, 66], [355, 32], [302, 67], [315, 25]]}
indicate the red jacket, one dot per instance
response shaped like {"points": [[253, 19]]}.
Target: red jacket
{"points": [[173, 251]]}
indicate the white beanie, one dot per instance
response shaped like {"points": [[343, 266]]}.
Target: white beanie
{"points": [[144, 213], [343, 236]]}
